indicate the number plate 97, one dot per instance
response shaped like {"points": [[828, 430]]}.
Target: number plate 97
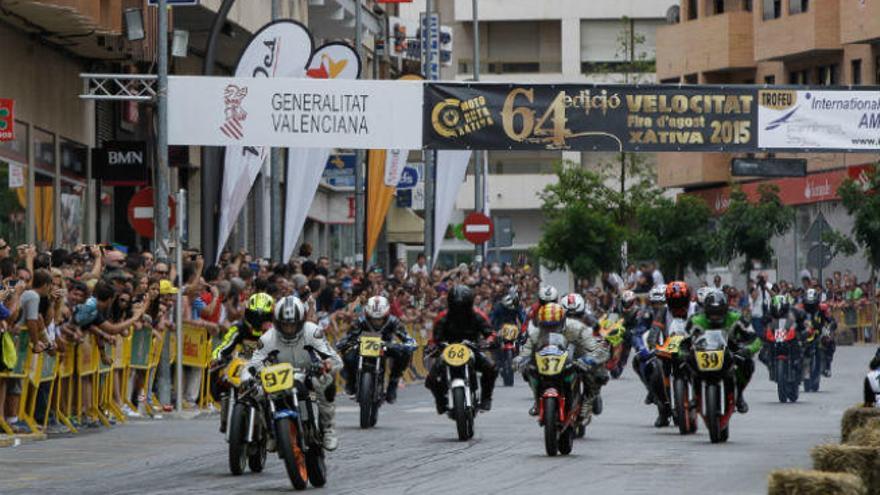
{"points": [[277, 378]]}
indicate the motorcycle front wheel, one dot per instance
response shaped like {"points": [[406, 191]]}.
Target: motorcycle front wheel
{"points": [[365, 399], [316, 468], [781, 382], [287, 434], [551, 426], [713, 412], [507, 367], [257, 455], [463, 419], [685, 418], [238, 447]]}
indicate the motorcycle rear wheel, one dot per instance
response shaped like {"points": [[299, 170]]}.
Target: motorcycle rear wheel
{"points": [[463, 419], [238, 447], [287, 434], [551, 428], [365, 399], [713, 412]]}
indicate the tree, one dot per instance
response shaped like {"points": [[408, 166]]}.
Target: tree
{"points": [[746, 228], [863, 204], [675, 233], [581, 229]]}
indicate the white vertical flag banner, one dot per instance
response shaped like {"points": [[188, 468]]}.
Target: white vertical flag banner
{"points": [[305, 166], [280, 49], [451, 168]]}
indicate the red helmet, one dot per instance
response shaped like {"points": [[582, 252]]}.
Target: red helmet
{"points": [[678, 298]]}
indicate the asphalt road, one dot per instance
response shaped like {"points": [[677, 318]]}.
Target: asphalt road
{"points": [[414, 451]]}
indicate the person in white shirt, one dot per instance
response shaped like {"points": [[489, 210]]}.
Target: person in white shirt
{"points": [[421, 266]]}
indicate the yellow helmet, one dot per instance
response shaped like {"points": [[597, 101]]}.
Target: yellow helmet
{"points": [[259, 310]]}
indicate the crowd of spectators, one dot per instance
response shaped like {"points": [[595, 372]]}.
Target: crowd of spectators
{"points": [[63, 299]]}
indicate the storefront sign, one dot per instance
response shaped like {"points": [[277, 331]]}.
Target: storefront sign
{"points": [[819, 119], [7, 119], [121, 162], [814, 188], [16, 175], [589, 117], [285, 112], [768, 167], [339, 170]]}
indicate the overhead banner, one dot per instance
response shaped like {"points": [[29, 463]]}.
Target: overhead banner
{"points": [[303, 113], [819, 119], [280, 49], [589, 117]]}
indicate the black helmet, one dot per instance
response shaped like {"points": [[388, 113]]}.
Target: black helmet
{"points": [[715, 306], [779, 306], [461, 297], [811, 300]]}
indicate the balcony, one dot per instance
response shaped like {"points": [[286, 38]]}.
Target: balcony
{"points": [[791, 36], [692, 169], [859, 22], [707, 44]]}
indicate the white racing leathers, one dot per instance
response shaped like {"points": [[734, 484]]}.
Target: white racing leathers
{"points": [[296, 352], [585, 345]]}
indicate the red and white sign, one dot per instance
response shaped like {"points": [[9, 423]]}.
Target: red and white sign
{"points": [[7, 119], [477, 228], [141, 213], [814, 188]]}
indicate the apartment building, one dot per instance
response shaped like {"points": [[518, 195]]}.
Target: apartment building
{"points": [[523, 41], [798, 42]]}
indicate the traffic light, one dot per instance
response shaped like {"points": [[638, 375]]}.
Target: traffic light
{"points": [[399, 38]]}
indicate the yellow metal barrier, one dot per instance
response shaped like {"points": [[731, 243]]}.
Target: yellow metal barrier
{"points": [[22, 343], [88, 364], [64, 395], [42, 368]]}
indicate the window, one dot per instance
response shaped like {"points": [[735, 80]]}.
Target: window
{"points": [[827, 75], [605, 45], [798, 6], [692, 9], [798, 77], [526, 46], [856, 70], [718, 6], [691, 79], [772, 9], [877, 70], [13, 172], [770, 79], [747, 5]]}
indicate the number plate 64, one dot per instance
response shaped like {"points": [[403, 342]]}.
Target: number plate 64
{"points": [[456, 355]]}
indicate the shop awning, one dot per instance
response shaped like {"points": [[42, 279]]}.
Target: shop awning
{"points": [[402, 225]]}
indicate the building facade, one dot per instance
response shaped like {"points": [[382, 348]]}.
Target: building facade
{"points": [[549, 41], [796, 42]]}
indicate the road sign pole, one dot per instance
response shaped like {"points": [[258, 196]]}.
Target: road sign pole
{"points": [[430, 155], [277, 214], [479, 178], [178, 382]]}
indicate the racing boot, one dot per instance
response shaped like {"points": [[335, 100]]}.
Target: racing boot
{"points": [[742, 406], [391, 393], [487, 386], [224, 412], [327, 414]]}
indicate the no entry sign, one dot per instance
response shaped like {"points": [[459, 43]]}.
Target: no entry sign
{"points": [[141, 213], [478, 228]]}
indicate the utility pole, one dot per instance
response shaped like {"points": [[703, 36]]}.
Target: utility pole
{"points": [[430, 155], [276, 164], [178, 382], [359, 224], [161, 201], [479, 178]]}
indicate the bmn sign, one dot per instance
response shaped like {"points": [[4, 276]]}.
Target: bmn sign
{"points": [[121, 162]]}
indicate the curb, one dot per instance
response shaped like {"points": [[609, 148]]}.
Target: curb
{"points": [[16, 440]]}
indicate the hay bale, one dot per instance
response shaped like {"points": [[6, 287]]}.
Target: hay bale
{"points": [[867, 434], [861, 461], [855, 417], [803, 482]]}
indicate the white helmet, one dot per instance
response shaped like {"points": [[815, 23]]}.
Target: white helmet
{"points": [[377, 308], [658, 294], [509, 301], [574, 304], [290, 315], [702, 292], [548, 294], [628, 298]]}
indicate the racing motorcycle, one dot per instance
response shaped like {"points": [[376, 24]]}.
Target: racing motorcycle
{"points": [[463, 387], [370, 381], [245, 433], [785, 359], [280, 410], [508, 333], [676, 378], [711, 365], [560, 394], [814, 358]]}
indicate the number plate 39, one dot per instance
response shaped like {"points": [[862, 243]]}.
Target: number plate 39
{"points": [[710, 360], [277, 378]]}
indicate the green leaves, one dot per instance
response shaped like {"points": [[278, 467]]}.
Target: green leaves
{"points": [[746, 228], [863, 203], [675, 233], [585, 239]]}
